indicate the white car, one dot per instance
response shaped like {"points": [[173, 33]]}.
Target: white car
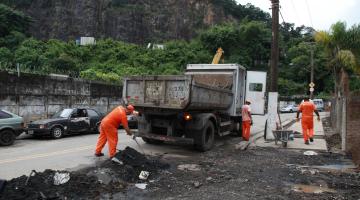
{"points": [[289, 108], [319, 103]]}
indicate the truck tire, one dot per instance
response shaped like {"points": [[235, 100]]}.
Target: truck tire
{"points": [[205, 140], [7, 137], [152, 141]]}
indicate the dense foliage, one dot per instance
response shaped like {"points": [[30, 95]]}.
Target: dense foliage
{"points": [[247, 42], [341, 46]]}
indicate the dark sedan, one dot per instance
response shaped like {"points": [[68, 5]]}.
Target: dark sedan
{"points": [[67, 121]]}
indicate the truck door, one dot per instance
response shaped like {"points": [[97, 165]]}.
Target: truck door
{"points": [[255, 91]]}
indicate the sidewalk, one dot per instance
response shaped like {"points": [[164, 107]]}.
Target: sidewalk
{"points": [[298, 142]]}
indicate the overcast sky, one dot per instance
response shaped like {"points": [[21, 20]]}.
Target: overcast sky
{"points": [[320, 14]]}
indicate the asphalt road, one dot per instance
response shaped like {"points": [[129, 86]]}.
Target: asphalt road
{"points": [[75, 152]]}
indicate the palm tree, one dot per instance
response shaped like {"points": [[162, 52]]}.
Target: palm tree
{"points": [[342, 47]]}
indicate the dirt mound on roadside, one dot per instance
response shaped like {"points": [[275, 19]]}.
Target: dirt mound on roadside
{"points": [[135, 162], [107, 178], [41, 186]]}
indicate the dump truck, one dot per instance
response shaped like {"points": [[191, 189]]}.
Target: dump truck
{"points": [[195, 107]]}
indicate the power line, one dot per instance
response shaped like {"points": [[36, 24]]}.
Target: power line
{"points": [[295, 10], [308, 9], [281, 16]]}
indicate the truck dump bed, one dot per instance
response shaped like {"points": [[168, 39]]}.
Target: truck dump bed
{"points": [[185, 92]]}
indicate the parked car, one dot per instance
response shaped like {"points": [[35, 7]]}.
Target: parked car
{"points": [[289, 108], [11, 126], [319, 103], [67, 121]]}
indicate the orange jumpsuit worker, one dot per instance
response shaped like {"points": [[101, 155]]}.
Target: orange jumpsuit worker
{"points": [[307, 109], [246, 120], [109, 129]]}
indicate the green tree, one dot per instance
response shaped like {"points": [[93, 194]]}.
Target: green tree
{"points": [[247, 43], [13, 26], [342, 47]]}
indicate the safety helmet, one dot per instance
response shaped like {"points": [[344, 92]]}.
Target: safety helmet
{"points": [[130, 108]]}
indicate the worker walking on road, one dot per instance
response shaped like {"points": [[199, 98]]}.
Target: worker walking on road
{"points": [[307, 109], [246, 120], [109, 129]]}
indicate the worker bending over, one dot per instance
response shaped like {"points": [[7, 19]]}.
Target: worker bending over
{"points": [[307, 109], [109, 129]]}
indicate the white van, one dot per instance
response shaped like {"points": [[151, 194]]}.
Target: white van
{"points": [[319, 104]]}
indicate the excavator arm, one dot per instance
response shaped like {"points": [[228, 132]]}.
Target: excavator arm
{"points": [[218, 56]]}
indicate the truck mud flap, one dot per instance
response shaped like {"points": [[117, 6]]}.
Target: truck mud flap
{"points": [[177, 140]]}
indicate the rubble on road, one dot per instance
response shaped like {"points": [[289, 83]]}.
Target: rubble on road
{"points": [[189, 167], [102, 181], [261, 173]]}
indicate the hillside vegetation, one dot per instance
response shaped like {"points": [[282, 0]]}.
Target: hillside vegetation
{"points": [[246, 41]]}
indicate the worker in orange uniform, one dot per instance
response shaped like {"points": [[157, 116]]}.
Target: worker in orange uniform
{"points": [[307, 109], [246, 120], [109, 129]]}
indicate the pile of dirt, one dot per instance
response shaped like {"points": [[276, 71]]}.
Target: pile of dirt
{"points": [[91, 183], [41, 186], [133, 163]]}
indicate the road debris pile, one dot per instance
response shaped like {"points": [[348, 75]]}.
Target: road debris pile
{"points": [[261, 173], [133, 163], [103, 181], [41, 186]]}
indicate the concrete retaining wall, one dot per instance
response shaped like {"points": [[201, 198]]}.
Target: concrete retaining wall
{"points": [[35, 96], [353, 126]]}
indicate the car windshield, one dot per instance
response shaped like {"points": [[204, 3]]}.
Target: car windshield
{"points": [[62, 114]]}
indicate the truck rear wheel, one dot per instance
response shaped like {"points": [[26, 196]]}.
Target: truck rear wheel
{"points": [[205, 140], [152, 141]]}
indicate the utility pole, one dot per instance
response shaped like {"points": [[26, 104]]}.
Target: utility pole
{"points": [[273, 93], [312, 74], [274, 46]]}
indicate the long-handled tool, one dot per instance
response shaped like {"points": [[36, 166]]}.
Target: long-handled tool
{"points": [[134, 138]]}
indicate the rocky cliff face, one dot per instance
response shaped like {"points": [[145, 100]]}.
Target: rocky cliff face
{"points": [[137, 21]]}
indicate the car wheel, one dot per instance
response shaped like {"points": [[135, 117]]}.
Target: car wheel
{"points": [[291, 111], [57, 132], [205, 140], [7, 137]]}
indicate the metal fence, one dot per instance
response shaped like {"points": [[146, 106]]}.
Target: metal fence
{"points": [[30, 69]]}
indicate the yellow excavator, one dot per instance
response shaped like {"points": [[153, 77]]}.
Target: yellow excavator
{"points": [[218, 56]]}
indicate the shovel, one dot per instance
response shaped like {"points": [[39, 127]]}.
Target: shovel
{"points": [[134, 138]]}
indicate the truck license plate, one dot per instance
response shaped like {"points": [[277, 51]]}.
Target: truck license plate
{"points": [[30, 131]]}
